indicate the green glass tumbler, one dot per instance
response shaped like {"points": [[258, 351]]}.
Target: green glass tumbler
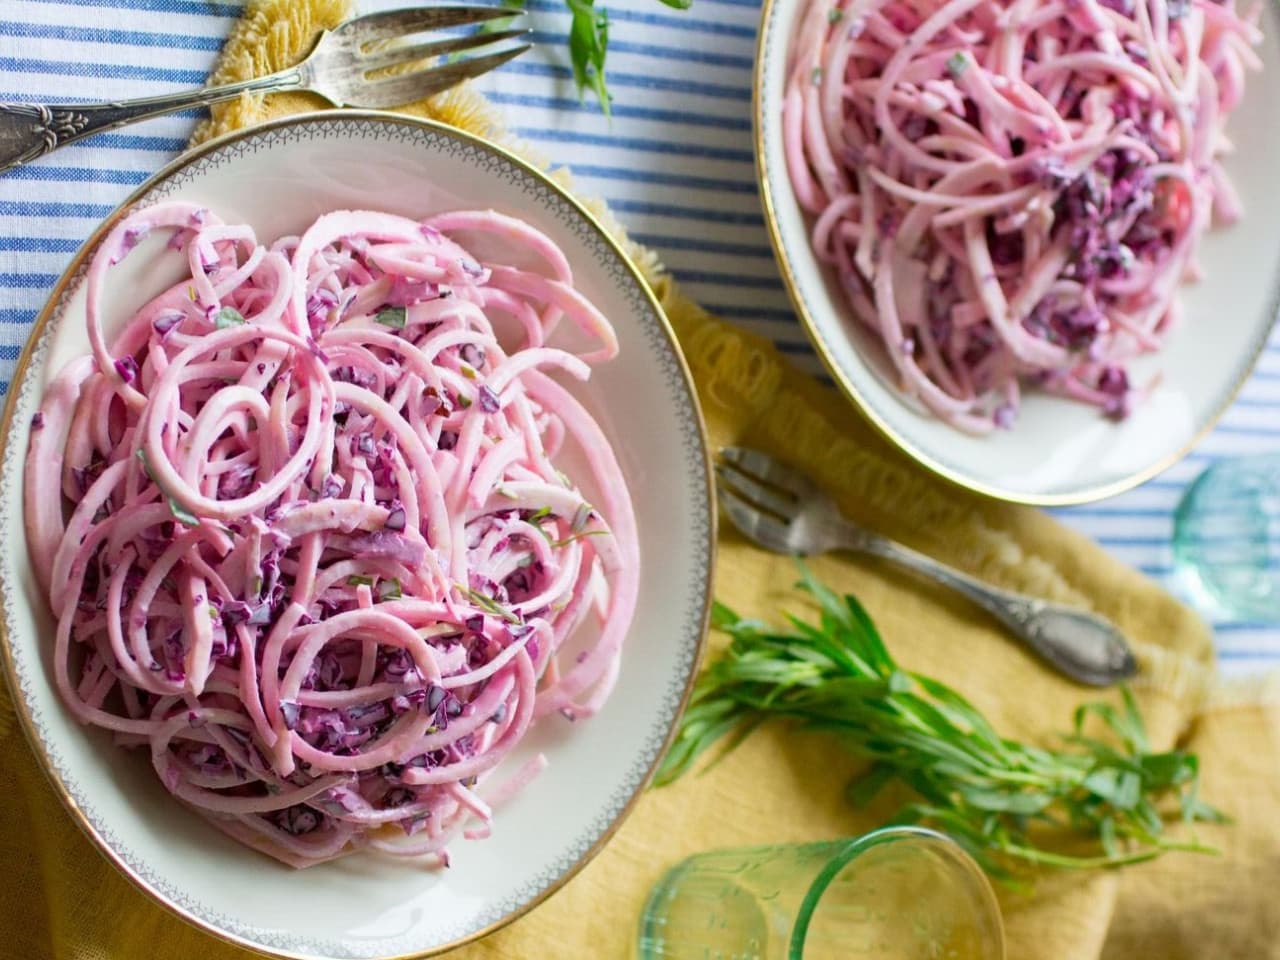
{"points": [[1226, 539], [902, 893]]}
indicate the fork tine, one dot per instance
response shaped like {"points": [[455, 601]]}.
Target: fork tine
{"points": [[392, 24], [766, 530], [395, 56], [785, 505], [395, 91], [763, 467]]}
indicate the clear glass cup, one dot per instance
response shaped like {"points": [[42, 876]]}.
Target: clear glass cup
{"points": [[1226, 539], [902, 893]]}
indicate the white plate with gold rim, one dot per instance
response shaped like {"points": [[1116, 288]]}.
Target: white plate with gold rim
{"points": [[279, 178], [1059, 451]]}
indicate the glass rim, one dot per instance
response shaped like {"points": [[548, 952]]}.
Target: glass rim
{"points": [[856, 847]]}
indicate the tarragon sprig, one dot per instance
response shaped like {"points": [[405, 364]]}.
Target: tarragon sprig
{"points": [[588, 42], [1009, 804]]}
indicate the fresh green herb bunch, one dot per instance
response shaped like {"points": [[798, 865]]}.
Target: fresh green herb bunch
{"points": [[588, 42], [990, 794]]}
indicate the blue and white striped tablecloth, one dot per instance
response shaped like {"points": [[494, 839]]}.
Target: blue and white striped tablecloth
{"points": [[675, 164]]}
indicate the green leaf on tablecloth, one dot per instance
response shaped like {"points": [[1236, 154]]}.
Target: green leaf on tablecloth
{"points": [[588, 45], [1009, 804]]}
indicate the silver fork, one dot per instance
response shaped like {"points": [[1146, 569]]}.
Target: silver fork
{"points": [[338, 68], [785, 512]]}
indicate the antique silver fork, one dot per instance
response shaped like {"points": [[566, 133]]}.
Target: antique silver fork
{"points": [[784, 511], [348, 66]]}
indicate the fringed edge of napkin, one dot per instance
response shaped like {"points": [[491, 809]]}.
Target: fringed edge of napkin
{"points": [[1243, 692], [274, 34]]}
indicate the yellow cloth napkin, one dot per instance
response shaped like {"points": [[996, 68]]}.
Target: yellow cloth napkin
{"points": [[60, 899]]}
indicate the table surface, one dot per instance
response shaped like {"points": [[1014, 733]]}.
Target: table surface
{"points": [[674, 162]]}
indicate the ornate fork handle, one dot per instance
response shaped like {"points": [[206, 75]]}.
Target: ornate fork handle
{"points": [[1080, 643], [30, 130]]}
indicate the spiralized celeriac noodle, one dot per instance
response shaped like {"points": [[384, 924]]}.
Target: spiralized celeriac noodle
{"points": [[319, 559], [1011, 191]]}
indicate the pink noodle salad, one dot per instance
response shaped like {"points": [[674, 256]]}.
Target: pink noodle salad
{"points": [[1010, 191], [319, 560]]}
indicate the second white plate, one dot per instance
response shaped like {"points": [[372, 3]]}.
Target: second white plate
{"points": [[1060, 451]]}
